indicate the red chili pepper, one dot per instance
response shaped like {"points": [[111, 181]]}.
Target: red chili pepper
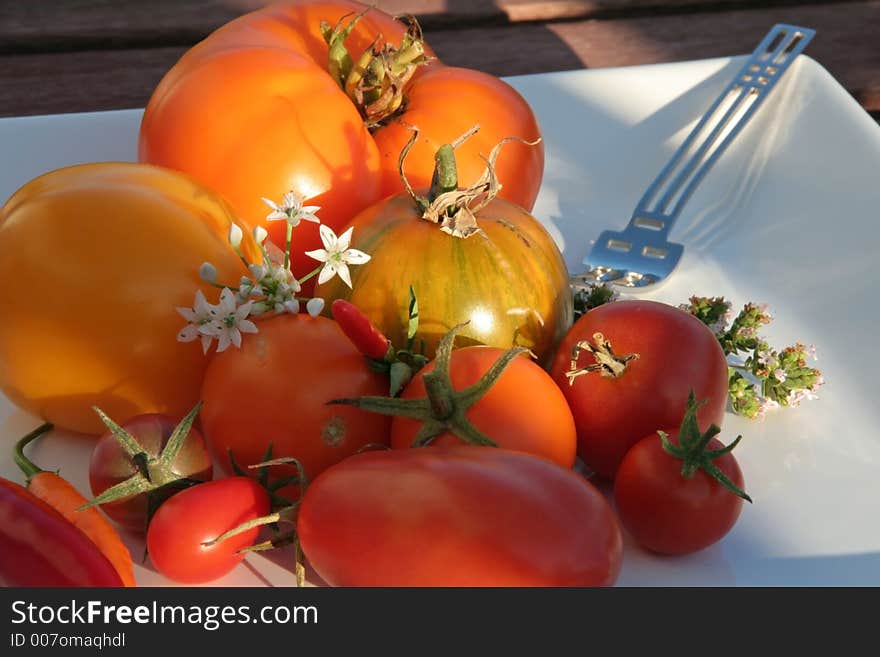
{"points": [[40, 547], [360, 330]]}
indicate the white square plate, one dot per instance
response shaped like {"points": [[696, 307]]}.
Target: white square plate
{"points": [[788, 216]]}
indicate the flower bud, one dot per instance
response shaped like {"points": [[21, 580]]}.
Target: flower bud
{"points": [[315, 306], [208, 272], [235, 235], [260, 234]]}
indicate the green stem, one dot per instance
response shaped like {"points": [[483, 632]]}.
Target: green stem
{"points": [[445, 172], [288, 238], [311, 274], [241, 257], [28, 467]]}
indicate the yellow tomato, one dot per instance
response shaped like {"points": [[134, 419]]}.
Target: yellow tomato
{"points": [[94, 260]]}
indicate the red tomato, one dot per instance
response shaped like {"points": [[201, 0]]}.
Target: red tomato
{"points": [[671, 514], [457, 516], [110, 464], [184, 523], [275, 389], [524, 410], [676, 353]]}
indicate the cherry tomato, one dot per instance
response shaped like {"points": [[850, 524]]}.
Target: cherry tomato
{"points": [[275, 390], [660, 353], [457, 516], [105, 253], [667, 512], [180, 529], [524, 410], [110, 464]]}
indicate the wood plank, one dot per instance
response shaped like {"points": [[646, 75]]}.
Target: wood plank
{"points": [[846, 45], [51, 25]]}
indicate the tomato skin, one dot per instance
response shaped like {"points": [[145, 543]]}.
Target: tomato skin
{"points": [[667, 513], [252, 111], [509, 282], [523, 411], [498, 109], [677, 353], [110, 465], [457, 516], [200, 514], [40, 547], [276, 388], [107, 251]]}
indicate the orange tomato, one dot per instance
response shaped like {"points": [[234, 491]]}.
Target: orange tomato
{"points": [[252, 112], [524, 410], [444, 102], [275, 390], [95, 258]]}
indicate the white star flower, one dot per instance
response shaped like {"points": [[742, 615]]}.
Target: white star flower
{"points": [[231, 320], [336, 255], [291, 210], [201, 322]]}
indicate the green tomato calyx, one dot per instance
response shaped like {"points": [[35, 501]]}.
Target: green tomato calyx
{"points": [[444, 410], [691, 448]]}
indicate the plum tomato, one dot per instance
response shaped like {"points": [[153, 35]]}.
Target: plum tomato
{"points": [[181, 534], [457, 516]]}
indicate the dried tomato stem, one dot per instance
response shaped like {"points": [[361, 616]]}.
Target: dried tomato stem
{"points": [[606, 361]]}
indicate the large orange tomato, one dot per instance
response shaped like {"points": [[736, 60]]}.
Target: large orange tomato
{"points": [[253, 111], [94, 260], [275, 390]]}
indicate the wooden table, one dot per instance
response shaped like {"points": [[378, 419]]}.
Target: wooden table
{"points": [[84, 55]]}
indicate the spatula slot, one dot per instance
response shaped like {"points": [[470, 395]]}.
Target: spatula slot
{"points": [[620, 245], [654, 252], [781, 57], [650, 223], [773, 45]]}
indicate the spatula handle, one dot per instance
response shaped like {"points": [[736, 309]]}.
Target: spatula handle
{"points": [[729, 113]]}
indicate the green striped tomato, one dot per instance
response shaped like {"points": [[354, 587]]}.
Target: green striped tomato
{"points": [[509, 281]]}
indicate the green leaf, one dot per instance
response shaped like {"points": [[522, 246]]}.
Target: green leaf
{"points": [[413, 314], [181, 431]]}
